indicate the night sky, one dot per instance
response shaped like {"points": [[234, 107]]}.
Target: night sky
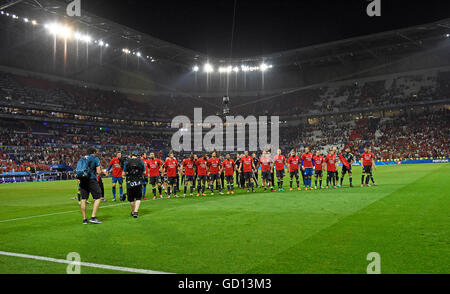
{"points": [[261, 26]]}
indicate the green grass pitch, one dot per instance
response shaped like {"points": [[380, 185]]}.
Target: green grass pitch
{"points": [[406, 219]]}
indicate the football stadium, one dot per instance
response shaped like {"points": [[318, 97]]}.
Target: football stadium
{"points": [[123, 153]]}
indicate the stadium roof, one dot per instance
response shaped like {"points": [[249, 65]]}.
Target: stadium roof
{"points": [[114, 33], [371, 46]]}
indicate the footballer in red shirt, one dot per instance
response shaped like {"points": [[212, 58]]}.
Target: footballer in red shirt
{"points": [[229, 166], [347, 159], [331, 163], [318, 167], [307, 167], [247, 166], [265, 162], [154, 166], [144, 185], [293, 163], [116, 166], [279, 160], [368, 161], [214, 170], [202, 172], [189, 172], [171, 166]]}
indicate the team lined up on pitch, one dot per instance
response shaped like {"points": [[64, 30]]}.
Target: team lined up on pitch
{"points": [[201, 173]]}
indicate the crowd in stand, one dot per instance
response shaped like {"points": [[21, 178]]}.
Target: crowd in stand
{"points": [[403, 136], [37, 145]]}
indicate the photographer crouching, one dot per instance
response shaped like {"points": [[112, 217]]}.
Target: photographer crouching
{"points": [[134, 170]]}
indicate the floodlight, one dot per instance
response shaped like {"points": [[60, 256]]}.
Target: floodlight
{"points": [[208, 68], [86, 38], [263, 67]]}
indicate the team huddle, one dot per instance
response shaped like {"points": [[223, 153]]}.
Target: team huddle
{"points": [[201, 173]]}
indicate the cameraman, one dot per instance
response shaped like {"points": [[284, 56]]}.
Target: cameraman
{"points": [[134, 170]]}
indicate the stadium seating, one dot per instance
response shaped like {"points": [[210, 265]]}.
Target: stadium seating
{"points": [[57, 120]]}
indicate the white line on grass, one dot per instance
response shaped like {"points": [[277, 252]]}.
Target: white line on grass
{"points": [[87, 264], [56, 213]]}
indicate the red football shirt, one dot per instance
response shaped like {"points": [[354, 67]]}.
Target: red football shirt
{"points": [[202, 167], [171, 166], [145, 161], [213, 164], [188, 165], [331, 162], [279, 160], [293, 163], [247, 163], [229, 165], [318, 161], [153, 166], [367, 158], [265, 163], [116, 168], [307, 160]]}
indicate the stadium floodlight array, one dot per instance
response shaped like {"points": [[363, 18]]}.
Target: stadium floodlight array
{"points": [[63, 31], [209, 68]]}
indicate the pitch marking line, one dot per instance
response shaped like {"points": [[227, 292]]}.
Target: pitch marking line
{"points": [[87, 264], [56, 213]]}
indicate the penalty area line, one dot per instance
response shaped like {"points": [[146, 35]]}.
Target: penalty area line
{"points": [[86, 264]]}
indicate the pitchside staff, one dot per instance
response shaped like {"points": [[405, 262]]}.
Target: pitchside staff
{"points": [[88, 168], [134, 170]]}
